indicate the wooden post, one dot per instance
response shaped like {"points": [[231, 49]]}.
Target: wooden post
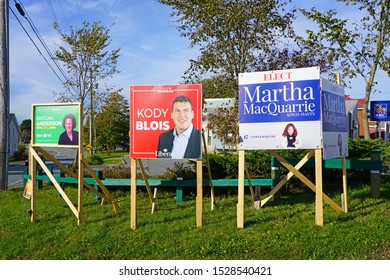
{"points": [[241, 178], [80, 186], [375, 175], [257, 201], [33, 174], [133, 194], [344, 198], [208, 171], [81, 218], [199, 194], [146, 180], [319, 215], [275, 175], [154, 200]]}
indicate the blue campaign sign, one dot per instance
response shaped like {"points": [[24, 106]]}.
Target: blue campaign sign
{"points": [[334, 113], [280, 101], [280, 109], [334, 120], [379, 111]]}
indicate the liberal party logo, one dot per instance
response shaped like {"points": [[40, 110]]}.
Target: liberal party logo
{"points": [[380, 111]]}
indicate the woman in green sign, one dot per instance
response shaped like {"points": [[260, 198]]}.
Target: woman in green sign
{"points": [[69, 136]]}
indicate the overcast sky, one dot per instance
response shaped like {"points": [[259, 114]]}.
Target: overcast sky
{"points": [[152, 51]]}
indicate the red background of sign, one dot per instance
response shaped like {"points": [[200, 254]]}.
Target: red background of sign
{"points": [[146, 118]]}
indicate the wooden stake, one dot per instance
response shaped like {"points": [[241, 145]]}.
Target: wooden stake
{"points": [[80, 187], [208, 171], [294, 171], [288, 176], [54, 182], [344, 198], [345, 191], [241, 178], [154, 200], [319, 215], [133, 194], [145, 180], [33, 174], [199, 194]]}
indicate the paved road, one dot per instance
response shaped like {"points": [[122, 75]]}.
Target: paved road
{"points": [[15, 169], [66, 156]]}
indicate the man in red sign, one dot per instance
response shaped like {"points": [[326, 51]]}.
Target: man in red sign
{"points": [[184, 140]]}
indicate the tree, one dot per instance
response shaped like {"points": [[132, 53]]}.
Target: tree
{"points": [[235, 37], [88, 62], [358, 46], [25, 131], [223, 123], [232, 36], [113, 122]]}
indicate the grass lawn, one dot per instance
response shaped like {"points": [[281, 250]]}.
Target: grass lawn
{"points": [[281, 230], [109, 161]]}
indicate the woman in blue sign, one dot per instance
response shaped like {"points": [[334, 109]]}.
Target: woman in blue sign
{"points": [[340, 145], [69, 136], [291, 138]]}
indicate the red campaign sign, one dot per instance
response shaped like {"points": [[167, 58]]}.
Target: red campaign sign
{"points": [[157, 109]]}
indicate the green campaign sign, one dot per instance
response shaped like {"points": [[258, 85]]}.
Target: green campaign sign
{"points": [[56, 124]]}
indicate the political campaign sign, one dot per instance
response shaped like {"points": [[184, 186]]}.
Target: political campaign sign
{"points": [[280, 109], [334, 120], [56, 124], [166, 121]]}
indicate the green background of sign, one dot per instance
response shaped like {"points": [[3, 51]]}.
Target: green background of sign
{"points": [[47, 122]]}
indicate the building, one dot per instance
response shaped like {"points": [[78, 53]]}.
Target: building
{"points": [[377, 129], [352, 111], [14, 131], [209, 107]]}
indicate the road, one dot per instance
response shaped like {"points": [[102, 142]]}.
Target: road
{"points": [[15, 169], [66, 156]]}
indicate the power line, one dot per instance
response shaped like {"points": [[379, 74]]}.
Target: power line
{"points": [[54, 15], [35, 44], [23, 13], [41, 40]]}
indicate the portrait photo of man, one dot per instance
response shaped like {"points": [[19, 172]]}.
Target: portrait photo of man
{"points": [[184, 140]]}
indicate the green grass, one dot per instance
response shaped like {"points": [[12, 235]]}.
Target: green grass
{"points": [[281, 230], [109, 155], [113, 160]]}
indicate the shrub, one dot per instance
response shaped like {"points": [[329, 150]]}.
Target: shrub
{"points": [[21, 153], [361, 148], [94, 159], [258, 162], [187, 171], [116, 171]]}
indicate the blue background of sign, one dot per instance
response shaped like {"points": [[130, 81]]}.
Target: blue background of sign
{"points": [[385, 116], [334, 126], [281, 117]]}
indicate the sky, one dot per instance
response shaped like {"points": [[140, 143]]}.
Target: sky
{"points": [[152, 50]]}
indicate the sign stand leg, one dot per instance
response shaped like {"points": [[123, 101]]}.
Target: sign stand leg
{"points": [[33, 174], [133, 194], [344, 195], [209, 171], [80, 188], [240, 204], [319, 215], [199, 194]]}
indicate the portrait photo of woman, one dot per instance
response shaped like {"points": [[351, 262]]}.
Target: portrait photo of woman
{"points": [[69, 136], [291, 138]]}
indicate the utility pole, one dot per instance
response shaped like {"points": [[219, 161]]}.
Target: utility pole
{"points": [[4, 91]]}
